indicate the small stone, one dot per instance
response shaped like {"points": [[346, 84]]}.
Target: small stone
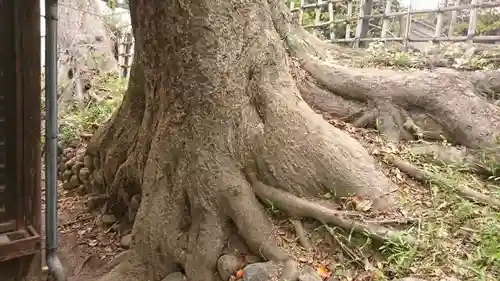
{"points": [[176, 276], [74, 169], [227, 265], [67, 150], [81, 190], [66, 175], [88, 161], [135, 202], [252, 259], [68, 186], [108, 219], [131, 214], [74, 180], [308, 273], [80, 157], [84, 174], [69, 163], [126, 241], [99, 176], [95, 202], [61, 167], [260, 271]]}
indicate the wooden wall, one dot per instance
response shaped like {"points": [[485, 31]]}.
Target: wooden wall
{"points": [[20, 192]]}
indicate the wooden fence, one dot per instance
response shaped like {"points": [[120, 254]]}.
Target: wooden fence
{"points": [[125, 52], [397, 24]]}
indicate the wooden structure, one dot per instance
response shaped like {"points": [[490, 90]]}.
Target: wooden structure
{"points": [[20, 114], [359, 13]]}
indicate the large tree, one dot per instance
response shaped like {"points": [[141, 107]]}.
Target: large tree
{"points": [[218, 114]]}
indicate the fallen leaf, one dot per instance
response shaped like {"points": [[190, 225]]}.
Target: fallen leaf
{"points": [[322, 271], [239, 274]]}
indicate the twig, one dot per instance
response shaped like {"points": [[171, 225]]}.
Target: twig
{"points": [[420, 175], [301, 233], [299, 207], [85, 261], [344, 248], [71, 222], [99, 217]]}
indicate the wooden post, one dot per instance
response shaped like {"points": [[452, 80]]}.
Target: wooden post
{"points": [[407, 28], [331, 18], [317, 16], [472, 22], [130, 53], [453, 20], [386, 23], [348, 23], [301, 12], [440, 18], [365, 9], [121, 53]]}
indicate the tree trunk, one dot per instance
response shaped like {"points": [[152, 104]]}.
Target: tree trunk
{"points": [[215, 118]]}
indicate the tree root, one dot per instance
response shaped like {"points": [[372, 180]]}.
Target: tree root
{"points": [[298, 207], [368, 118], [420, 175], [255, 227], [485, 162], [301, 234]]}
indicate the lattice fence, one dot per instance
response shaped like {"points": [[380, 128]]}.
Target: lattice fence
{"points": [[355, 22]]}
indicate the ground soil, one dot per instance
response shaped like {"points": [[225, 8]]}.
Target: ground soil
{"points": [[87, 249]]}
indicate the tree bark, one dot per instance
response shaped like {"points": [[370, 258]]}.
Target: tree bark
{"points": [[215, 119]]}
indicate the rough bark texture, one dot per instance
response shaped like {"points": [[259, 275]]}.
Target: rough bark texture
{"points": [[215, 118]]}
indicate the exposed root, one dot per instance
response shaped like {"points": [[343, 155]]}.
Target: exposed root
{"points": [[368, 118], [255, 227], [301, 234], [391, 123], [420, 175], [346, 249], [208, 238], [298, 207], [485, 162]]}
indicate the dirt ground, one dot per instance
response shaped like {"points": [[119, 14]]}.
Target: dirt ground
{"points": [[463, 232], [87, 249]]}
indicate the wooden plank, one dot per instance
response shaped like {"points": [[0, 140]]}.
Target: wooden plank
{"points": [[386, 22], [25, 246], [471, 32], [440, 18], [7, 226]]}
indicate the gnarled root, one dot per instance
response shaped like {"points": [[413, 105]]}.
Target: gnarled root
{"points": [[301, 233], [299, 207], [257, 230], [421, 175], [483, 161]]}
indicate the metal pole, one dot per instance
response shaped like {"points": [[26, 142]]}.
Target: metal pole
{"points": [[51, 228]]}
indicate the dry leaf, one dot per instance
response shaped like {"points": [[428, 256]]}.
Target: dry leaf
{"points": [[239, 274], [322, 271]]}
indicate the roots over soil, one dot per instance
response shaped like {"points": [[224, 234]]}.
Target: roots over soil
{"points": [[217, 117]]}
